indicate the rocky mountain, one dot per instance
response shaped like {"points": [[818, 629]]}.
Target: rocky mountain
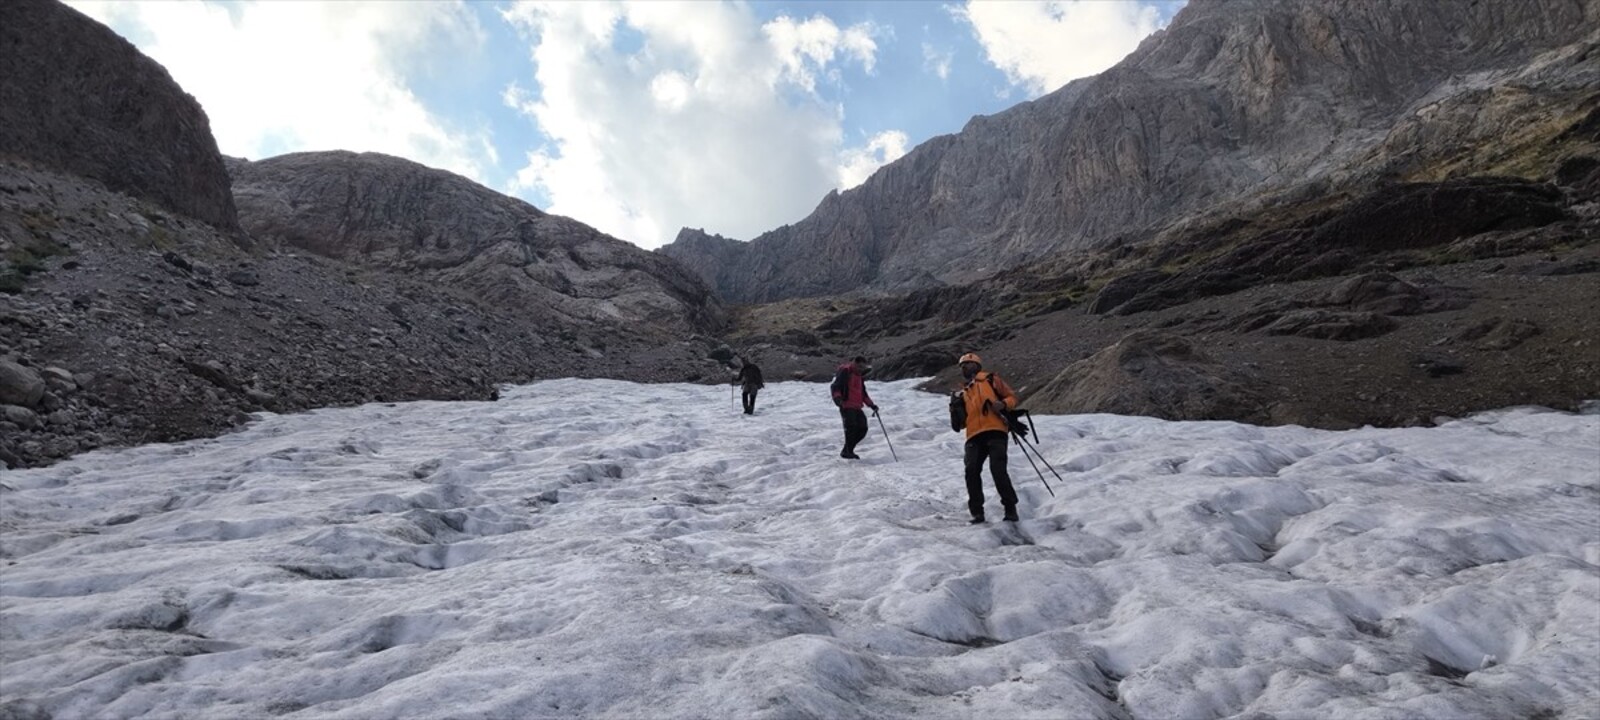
{"points": [[387, 213], [1445, 266], [1394, 306], [135, 308], [96, 107], [1233, 108]]}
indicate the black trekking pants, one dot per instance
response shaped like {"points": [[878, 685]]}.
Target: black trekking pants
{"points": [[855, 428], [989, 445]]}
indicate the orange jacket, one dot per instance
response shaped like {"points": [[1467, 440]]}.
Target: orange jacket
{"points": [[978, 391]]}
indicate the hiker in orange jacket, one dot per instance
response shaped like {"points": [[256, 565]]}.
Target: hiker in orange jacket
{"points": [[984, 399]]}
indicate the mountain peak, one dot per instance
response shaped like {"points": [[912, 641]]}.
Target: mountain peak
{"points": [[1232, 103]]}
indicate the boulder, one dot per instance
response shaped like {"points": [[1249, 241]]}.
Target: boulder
{"points": [[1389, 295], [1497, 333], [177, 261], [213, 372], [800, 338], [261, 397], [1438, 365], [58, 376], [19, 385], [243, 278], [923, 361], [1331, 325], [1123, 289], [19, 416], [722, 354], [1156, 374]]}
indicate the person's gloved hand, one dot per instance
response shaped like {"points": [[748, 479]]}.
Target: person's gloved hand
{"points": [[874, 408]]}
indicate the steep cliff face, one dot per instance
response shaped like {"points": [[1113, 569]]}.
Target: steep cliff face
{"points": [[1234, 103], [385, 212], [77, 97]]}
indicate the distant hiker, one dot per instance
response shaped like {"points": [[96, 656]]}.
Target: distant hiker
{"points": [[850, 394], [750, 377], [979, 407]]}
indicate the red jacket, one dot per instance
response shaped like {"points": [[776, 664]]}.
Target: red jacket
{"points": [[850, 389]]}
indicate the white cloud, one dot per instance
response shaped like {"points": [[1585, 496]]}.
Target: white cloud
{"points": [[715, 121], [1043, 45], [278, 77], [859, 163], [671, 90], [936, 62]]}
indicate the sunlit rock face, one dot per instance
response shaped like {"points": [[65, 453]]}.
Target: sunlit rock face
{"points": [[1233, 106]]}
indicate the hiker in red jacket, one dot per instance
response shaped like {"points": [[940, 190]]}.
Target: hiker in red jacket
{"points": [[850, 394]]}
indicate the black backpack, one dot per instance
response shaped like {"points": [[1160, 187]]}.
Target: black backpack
{"points": [[1012, 418]]}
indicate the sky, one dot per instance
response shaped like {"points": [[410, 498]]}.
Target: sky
{"points": [[638, 118], [651, 552]]}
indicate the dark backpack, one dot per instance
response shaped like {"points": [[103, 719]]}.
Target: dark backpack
{"points": [[1014, 419]]}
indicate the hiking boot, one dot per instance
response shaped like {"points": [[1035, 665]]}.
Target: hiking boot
{"points": [[976, 520], [1011, 514], [849, 455]]}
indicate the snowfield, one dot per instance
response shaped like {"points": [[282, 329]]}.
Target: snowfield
{"points": [[606, 549]]}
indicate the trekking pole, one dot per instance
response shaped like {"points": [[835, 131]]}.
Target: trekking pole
{"points": [[733, 396], [1047, 464], [1035, 465], [886, 435]]}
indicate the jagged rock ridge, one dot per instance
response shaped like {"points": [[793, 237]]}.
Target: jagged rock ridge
{"points": [[386, 212], [1233, 104]]}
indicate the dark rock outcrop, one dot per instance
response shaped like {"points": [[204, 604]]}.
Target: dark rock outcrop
{"points": [[1408, 216], [19, 385], [77, 97], [1330, 325], [921, 361], [1123, 288], [1497, 333], [1420, 215], [1235, 106], [389, 213], [1156, 374], [1388, 295]]}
